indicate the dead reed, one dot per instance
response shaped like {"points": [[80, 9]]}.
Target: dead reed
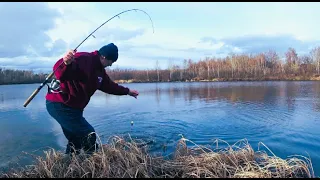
{"points": [[130, 159]]}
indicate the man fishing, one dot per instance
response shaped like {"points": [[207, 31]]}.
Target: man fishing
{"points": [[80, 75]]}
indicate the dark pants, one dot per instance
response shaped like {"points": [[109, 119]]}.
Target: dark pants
{"points": [[74, 126]]}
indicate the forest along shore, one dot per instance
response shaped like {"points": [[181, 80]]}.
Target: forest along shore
{"points": [[236, 67]]}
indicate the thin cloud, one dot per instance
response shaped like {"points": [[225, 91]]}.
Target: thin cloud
{"points": [[262, 43]]}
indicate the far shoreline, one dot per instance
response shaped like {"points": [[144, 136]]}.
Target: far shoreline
{"points": [[220, 80], [130, 81]]}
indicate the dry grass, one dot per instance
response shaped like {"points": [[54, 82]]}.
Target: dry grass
{"points": [[122, 158]]}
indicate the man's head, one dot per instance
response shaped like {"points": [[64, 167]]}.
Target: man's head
{"points": [[108, 54]]}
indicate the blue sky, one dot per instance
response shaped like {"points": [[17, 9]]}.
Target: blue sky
{"points": [[34, 36]]}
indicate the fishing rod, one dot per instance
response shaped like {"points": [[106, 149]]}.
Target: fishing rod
{"points": [[91, 34]]}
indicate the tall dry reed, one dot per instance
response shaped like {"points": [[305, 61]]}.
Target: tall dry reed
{"points": [[130, 159]]}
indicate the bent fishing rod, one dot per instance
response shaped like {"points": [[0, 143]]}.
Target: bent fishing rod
{"points": [[91, 34]]}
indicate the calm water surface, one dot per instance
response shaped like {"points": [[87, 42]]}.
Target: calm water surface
{"points": [[282, 115]]}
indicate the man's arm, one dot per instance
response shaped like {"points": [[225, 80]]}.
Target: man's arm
{"points": [[67, 70], [63, 72], [63, 66], [110, 87]]}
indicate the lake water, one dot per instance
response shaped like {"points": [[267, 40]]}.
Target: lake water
{"points": [[283, 115]]}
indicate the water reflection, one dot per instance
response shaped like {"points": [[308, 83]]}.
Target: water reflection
{"points": [[280, 114], [283, 93], [316, 96], [276, 93], [157, 94]]}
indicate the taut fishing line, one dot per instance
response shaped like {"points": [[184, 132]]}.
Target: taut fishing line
{"points": [[91, 34]]}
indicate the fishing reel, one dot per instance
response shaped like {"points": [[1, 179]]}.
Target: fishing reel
{"points": [[54, 86]]}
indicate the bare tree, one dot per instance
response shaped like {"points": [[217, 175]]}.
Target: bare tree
{"points": [[315, 55], [148, 75], [170, 68], [157, 69], [292, 60]]}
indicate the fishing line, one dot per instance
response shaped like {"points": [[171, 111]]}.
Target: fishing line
{"points": [[117, 15], [91, 34]]}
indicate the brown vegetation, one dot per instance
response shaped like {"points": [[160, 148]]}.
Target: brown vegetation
{"points": [[235, 67], [122, 158]]}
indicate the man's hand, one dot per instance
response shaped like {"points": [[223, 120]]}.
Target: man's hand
{"points": [[69, 57], [133, 93]]}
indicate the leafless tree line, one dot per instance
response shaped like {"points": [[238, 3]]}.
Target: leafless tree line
{"points": [[9, 76], [236, 67], [262, 66]]}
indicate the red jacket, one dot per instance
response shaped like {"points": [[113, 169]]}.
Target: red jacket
{"points": [[81, 79]]}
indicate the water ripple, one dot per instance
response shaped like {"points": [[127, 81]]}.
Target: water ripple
{"points": [[282, 115]]}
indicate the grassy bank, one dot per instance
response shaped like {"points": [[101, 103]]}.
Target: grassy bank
{"points": [[122, 158]]}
